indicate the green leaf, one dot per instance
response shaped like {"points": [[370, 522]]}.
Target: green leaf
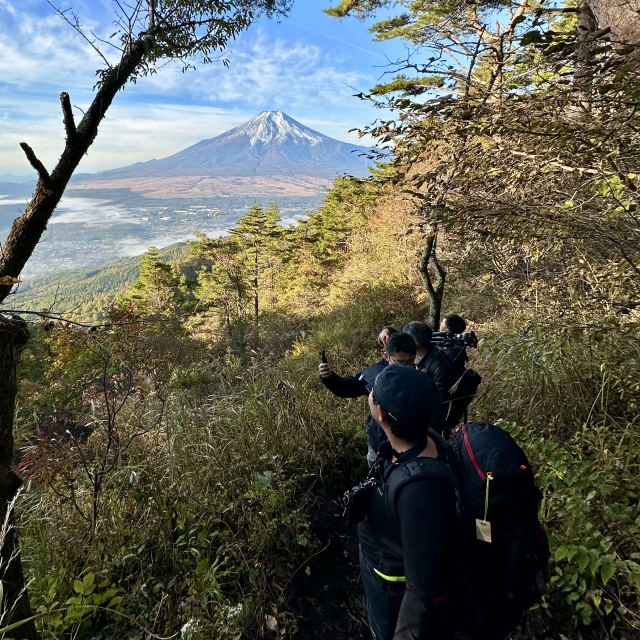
{"points": [[518, 20], [264, 479], [302, 541], [583, 561], [78, 587], [606, 571], [115, 601], [89, 583], [530, 37], [561, 553], [202, 567]]}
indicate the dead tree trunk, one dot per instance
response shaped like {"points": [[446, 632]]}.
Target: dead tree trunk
{"points": [[15, 603], [435, 291]]}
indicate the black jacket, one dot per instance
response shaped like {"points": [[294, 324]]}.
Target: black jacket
{"points": [[441, 370], [423, 552], [444, 373], [356, 385]]}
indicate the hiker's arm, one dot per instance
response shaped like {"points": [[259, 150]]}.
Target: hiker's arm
{"points": [[426, 510], [345, 387]]}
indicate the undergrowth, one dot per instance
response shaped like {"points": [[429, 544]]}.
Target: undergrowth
{"points": [[174, 476]]}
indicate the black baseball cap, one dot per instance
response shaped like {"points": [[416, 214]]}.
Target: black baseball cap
{"points": [[406, 395]]}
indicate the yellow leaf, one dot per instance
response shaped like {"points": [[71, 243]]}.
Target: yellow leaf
{"points": [[486, 276], [9, 280]]}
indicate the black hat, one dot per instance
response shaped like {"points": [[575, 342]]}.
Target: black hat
{"points": [[406, 395]]}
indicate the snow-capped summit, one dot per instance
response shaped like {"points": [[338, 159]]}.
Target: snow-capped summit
{"points": [[269, 144], [275, 127]]}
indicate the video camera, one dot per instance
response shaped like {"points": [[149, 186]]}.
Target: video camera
{"points": [[448, 339]]}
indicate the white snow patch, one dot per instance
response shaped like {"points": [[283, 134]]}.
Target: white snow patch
{"points": [[275, 127]]}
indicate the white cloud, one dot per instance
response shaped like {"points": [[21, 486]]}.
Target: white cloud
{"points": [[166, 112], [266, 73]]}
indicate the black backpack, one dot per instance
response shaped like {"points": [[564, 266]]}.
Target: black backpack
{"points": [[498, 581], [467, 383]]}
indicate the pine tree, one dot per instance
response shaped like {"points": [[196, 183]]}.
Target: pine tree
{"points": [[257, 235], [157, 292]]}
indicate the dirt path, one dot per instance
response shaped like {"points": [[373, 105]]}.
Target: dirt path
{"points": [[327, 599]]}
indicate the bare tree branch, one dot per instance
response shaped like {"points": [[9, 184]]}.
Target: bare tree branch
{"points": [[36, 164], [69, 122]]}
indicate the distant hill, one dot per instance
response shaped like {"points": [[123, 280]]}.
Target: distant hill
{"points": [[16, 190], [9, 177], [271, 154], [85, 291]]}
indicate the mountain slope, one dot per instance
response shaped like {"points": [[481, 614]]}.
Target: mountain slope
{"points": [[86, 291], [270, 144]]}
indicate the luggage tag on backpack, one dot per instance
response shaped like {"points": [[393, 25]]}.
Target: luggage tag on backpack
{"points": [[483, 530], [483, 527]]}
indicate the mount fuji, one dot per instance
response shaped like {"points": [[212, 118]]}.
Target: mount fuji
{"points": [[270, 154]]}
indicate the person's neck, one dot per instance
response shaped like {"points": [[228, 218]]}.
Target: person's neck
{"points": [[403, 445], [421, 352]]}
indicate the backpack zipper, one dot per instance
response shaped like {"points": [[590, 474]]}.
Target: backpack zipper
{"points": [[467, 444]]}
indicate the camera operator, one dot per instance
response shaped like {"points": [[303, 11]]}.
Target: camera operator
{"points": [[436, 366], [406, 552], [400, 348], [457, 353]]}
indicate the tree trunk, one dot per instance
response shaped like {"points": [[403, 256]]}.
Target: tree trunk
{"points": [[621, 16], [427, 260], [580, 107], [15, 603], [26, 230]]}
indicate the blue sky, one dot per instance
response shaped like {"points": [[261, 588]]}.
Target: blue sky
{"points": [[308, 65]]}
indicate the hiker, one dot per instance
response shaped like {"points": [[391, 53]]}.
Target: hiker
{"points": [[432, 362], [457, 353], [400, 348], [406, 553]]}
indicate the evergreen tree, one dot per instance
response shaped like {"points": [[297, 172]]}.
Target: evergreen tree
{"points": [[257, 236], [158, 290], [243, 265]]}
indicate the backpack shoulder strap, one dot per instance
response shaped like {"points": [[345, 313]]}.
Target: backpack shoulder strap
{"points": [[398, 476], [441, 442]]}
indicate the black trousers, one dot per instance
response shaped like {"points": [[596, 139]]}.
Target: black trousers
{"points": [[383, 599]]}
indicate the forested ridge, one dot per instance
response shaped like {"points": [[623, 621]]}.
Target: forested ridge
{"points": [[85, 292], [182, 461]]}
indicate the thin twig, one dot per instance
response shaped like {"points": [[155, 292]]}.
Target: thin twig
{"points": [[76, 26]]}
